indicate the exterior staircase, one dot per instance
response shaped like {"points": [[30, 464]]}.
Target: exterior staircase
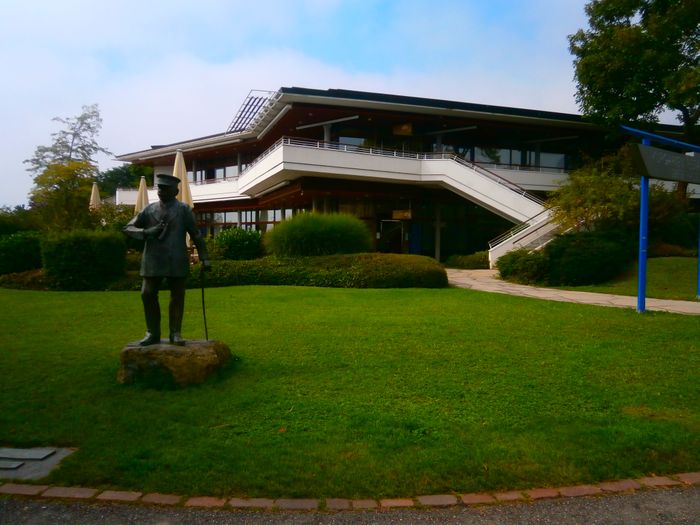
{"points": [[291, 158]]}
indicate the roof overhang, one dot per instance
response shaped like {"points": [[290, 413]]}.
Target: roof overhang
{"points": [[285, 98]]}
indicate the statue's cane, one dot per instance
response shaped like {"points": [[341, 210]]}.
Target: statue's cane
{"points": [[204, 309]]}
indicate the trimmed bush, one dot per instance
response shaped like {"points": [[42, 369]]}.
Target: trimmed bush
{"points": [[523, 266], [309, 234], [364, 270], [237, 244], [587, 257], [84, 260], [20, 252], [474, 261]]}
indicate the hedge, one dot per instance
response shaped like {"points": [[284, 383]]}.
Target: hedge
{"points": [[237, 244], [571, 259], [588, 257], [20, 252], [523, 266], [364, 270], [84, 259]]}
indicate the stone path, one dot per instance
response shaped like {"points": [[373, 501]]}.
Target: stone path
{"points": [[488, 281], [337, 504]]}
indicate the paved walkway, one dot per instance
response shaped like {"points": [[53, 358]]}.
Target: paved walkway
{"points": [[488, 281]]}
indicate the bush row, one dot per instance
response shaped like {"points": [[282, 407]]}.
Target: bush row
{"points": [[474, 261], [362, 270], [572, 259], [20, 252], [84, 259]]}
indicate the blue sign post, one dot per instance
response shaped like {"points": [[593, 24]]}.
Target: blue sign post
{"points": [[665, 165], [643, 239]]}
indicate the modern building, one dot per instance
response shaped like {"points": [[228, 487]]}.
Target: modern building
{"points": [[431, 177]]}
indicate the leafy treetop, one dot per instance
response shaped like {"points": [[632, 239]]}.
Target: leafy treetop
{"points": [[638, 58]]}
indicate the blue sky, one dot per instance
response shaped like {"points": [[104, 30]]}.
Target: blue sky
{"points": [[163, 71]]}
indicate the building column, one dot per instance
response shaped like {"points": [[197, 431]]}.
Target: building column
{"points": [[438, 232]]}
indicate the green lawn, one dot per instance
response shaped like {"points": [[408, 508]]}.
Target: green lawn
{"points": [[667, 278], [356, 393]]}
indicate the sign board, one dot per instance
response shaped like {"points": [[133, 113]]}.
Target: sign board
{"points": [[402, 215], [667, 165]]}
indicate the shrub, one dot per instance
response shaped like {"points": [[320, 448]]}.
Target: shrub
{"points": [[662, 249], [364, 270], [20, 252], [310, 234], [28, 280], [237, 244], [474, 261], [524, 266], [84, 260], [588, 257]]}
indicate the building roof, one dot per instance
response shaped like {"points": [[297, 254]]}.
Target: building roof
{"points": [[263, 109]]}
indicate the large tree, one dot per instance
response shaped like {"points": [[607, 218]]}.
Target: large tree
{"points": [[65, 170], [61, 195], [638, 58], [126, 176], [77, 141]]}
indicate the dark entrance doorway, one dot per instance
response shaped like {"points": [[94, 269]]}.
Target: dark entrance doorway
{"points": [[390, 236]]}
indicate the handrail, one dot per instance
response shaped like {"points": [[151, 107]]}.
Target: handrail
{"points": [[351, 148], [532, 221]]}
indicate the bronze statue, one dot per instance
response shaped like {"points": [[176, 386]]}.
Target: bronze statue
{"points": [[163, 226]]}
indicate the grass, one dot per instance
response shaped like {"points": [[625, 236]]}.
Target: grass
{"points": [[356, 393], [667, 278]]}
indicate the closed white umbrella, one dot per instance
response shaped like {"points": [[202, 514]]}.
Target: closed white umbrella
{"points": [[141, 196], [95, 200], [185, 195], [180, 171]]}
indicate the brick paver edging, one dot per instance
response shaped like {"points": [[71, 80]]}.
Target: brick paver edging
{"points": [[337, 504]]}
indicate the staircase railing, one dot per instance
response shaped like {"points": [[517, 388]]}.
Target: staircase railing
{"points": [[351, 148], [515, 230]]}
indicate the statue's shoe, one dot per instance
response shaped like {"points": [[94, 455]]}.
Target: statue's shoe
{"points": [[150, 339], [176, 339]]}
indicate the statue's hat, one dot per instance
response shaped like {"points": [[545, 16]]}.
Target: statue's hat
{"points": [[166, 180]]}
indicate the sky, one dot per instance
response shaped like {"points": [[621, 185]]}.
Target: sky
{"points": [[163, 71]]}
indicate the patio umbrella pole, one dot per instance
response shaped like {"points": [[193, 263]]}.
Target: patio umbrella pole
{"points": [[204, 310]]}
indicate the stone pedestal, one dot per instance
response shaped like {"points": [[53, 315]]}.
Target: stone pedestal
{"points": [[187, 365]]}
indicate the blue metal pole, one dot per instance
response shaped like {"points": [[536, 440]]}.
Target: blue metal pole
{"points": [[643, 240]]}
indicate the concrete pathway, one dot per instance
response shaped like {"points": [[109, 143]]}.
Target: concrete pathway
{"points": [[488, 281]]}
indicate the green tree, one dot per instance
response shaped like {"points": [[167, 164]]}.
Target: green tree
{"points": [[19, 218], [599, 193], [638, 58], [76, 142], [61, 195], [604, 195], [125, 176], [111, 216]]}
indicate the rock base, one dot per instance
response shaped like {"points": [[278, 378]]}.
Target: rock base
{"points": [[190, 364]]}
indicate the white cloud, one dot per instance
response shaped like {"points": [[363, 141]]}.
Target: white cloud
{"points": [[169, 70]]}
